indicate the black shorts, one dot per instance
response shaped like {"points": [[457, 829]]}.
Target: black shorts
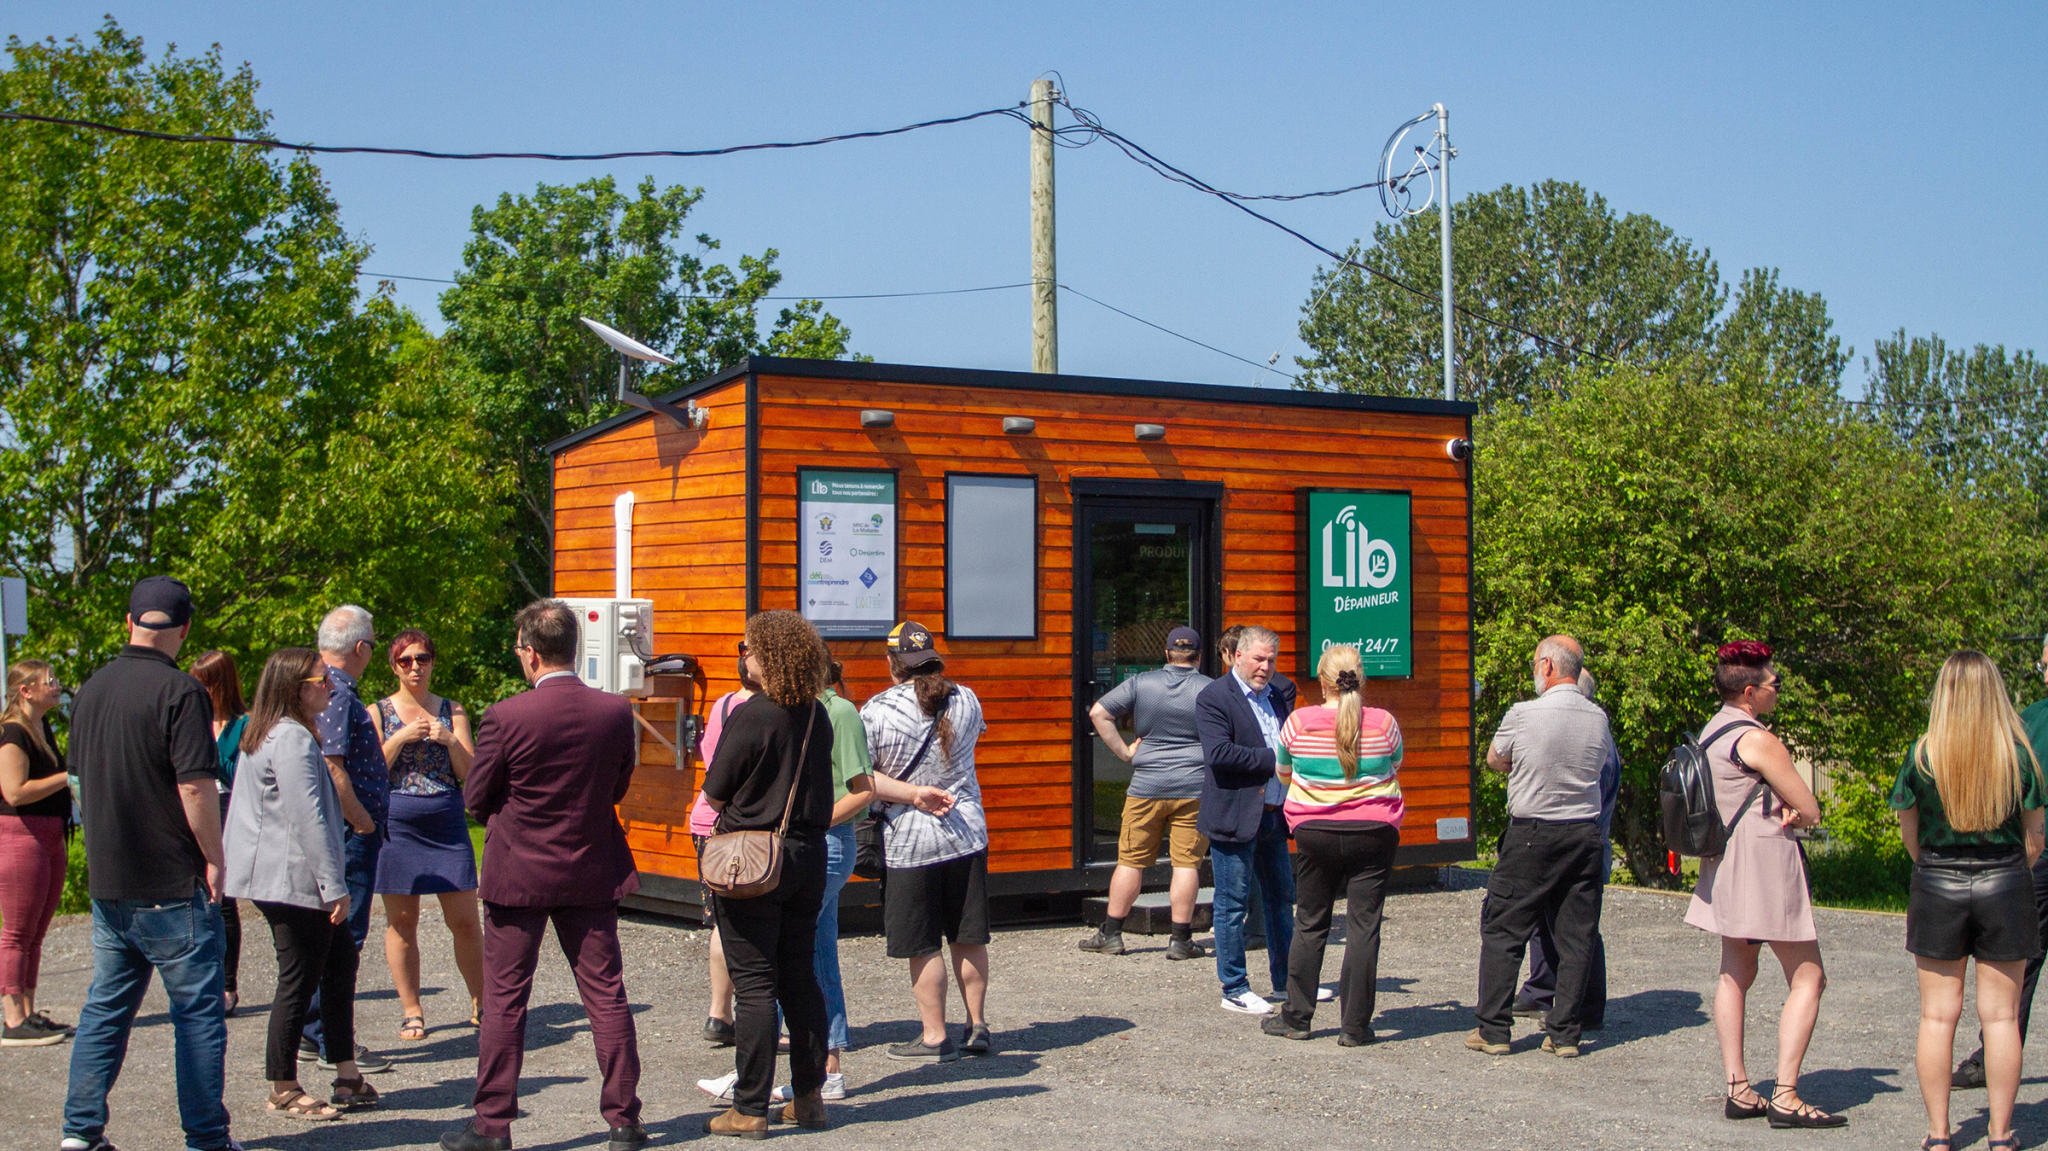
{"points": [[1966, 907], [921, 905]]}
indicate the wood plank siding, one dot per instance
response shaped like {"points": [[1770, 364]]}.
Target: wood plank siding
{"points": [[692, 541]]}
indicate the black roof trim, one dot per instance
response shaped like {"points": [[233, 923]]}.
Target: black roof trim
{"points": [[1031, 381]]}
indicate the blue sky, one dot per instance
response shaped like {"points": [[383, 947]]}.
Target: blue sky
{"points": [[1888, 156]]}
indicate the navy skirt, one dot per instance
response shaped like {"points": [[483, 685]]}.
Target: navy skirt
{"points": [[426, 847]]}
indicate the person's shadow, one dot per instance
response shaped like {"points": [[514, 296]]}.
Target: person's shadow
{"points": [[1841, 1088], [1018, 1053], [1648, 1014]]}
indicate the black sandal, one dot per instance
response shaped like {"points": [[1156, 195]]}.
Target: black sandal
{"points": [[354, 1094], [1734, 1110], [1806, 1115], [1933, 1141], [2012, 1141]]}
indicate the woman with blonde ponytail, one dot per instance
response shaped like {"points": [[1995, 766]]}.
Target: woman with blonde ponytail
{"points": [[35, 809], [1344, 806], [1970, 796]]}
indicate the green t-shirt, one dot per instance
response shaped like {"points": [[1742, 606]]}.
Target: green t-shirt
{"points": [[1916, 789], [849, 743]]}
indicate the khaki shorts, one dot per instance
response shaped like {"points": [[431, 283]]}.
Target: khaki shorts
{"points": [[1147, 821]]}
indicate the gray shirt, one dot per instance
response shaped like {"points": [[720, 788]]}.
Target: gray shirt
{"points": [[1556, 743], [1161, 708]]}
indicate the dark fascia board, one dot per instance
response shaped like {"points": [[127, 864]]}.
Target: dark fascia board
{"points": [[1032, 381]]}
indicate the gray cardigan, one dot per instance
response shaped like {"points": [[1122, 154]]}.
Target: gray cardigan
{"points": [[283, 837]]}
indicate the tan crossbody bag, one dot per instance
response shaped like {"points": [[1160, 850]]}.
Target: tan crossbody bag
{"points": [[747, 864]]}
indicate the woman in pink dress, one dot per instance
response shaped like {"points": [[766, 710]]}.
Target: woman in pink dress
{"points": [[1755, 892]]}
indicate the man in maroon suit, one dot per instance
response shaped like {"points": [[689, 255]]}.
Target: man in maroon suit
{"points": [[550, 765]]}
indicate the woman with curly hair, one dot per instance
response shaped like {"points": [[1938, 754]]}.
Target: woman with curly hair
{"points": [[1969, 797], [1755, 892], [774, 762]]}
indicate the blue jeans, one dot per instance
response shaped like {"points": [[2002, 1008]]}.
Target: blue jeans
{"points": [[1235, 865], [181, 940], [839, 852], [359, 870]]}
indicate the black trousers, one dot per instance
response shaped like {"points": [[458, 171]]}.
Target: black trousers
{"points": [[1541, 988], [1546, 871], [311, 953], [769, 953], [1353, 864]]}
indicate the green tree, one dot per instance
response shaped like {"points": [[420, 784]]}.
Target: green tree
{"points": [[535, 264], [1655, 515], [187, 383], [1554, 260]]}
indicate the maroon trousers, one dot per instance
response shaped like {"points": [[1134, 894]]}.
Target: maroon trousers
{"points": [[31, 886], [590, 942]]}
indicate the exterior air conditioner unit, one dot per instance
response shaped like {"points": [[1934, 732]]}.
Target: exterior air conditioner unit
{"points": [[615, 642]]}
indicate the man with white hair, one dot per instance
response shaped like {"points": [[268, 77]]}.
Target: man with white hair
{"points": [[355, 760], [1553, 750]]}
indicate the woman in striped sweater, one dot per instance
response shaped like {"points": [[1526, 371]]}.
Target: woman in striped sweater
{"points": [[1344, 808]]}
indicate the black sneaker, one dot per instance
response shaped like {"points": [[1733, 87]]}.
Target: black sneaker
{"points": [[1104, 942], [309, 1052], [468, 1138], [1185, 949], [1357, 1041], [631, 1137], [719, 1033], [31, 1033], [1276, 1024], [918, 1051], [1528, 1010], [368, 1062], [49, 1024], [974, 1039], [1969, 1073]]}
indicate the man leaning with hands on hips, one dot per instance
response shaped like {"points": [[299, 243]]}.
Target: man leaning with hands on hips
{"points": [[1552, 749], [1165, 793]]}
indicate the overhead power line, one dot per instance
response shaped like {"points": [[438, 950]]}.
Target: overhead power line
{"points": [[486, 284], [1168, 331]]}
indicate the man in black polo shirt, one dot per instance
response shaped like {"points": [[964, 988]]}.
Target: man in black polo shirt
{"points": [[142, 745]]}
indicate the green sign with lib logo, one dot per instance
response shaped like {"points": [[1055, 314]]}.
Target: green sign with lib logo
{"points": [[1357, 577]]}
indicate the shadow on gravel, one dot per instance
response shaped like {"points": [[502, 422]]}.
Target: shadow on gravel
{"points": [[1422, 1021], [366, 1130], [1017, 1053], [1841, 1088], [1648, 1014]]}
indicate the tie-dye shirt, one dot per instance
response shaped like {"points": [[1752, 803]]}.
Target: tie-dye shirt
{"points": [[1317, 793]]}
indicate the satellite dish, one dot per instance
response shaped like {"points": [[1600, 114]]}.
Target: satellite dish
{"points": [[624, 344], [687, 418]]}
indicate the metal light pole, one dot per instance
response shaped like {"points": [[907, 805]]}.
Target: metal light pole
{"points": [[1443, 199], [1399, 202]]}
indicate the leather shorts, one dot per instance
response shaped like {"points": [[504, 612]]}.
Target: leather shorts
{"points": [[1971, 907]]}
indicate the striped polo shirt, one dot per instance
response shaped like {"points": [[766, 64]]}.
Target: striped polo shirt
{"points": [[1317, 793]]}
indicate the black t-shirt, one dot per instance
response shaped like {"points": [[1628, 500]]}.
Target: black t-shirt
{"points": [[41, 765], [140, 727], [756, 760]]}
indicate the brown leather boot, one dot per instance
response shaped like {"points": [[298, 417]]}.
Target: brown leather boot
{"points": [[806, 1110], [731, 1122]]}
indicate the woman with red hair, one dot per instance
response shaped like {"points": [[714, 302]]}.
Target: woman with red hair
{"points": [[1755, 892]]}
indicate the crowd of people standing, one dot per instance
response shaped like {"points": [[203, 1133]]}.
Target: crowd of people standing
{"points": [[309, 803]]}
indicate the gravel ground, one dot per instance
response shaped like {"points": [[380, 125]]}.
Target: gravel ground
{"points": [[1100, 1052]]}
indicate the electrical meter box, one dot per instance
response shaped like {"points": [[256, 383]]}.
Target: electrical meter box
{"points": [[615, 641]]}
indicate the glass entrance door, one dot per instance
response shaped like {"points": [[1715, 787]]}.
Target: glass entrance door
{"points": [[1142, 572]]}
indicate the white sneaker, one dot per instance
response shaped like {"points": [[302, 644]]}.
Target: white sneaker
{"points": [[834, 1089], [721, 1087], [1247, 1002], [1324, 994]]}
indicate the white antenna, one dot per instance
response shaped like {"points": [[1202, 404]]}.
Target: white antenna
{"points": [[692, 417]]}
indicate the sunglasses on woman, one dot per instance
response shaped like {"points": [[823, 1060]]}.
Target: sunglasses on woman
{"points": [[411, 661]]}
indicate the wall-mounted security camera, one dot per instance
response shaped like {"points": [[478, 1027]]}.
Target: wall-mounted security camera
{"points": [[1459, 449]]}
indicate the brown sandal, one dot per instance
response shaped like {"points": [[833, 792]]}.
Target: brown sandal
{"points": [[354, 1094], [296, 1104], [412, 1027]]}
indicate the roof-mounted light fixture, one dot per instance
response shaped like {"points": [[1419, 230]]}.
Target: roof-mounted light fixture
{"points": [[688, 418]]}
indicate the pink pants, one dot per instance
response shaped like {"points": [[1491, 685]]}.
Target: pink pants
{"points": [[32, 863]]}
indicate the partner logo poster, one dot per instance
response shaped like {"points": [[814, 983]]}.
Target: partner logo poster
{"points": [[846, 552]]}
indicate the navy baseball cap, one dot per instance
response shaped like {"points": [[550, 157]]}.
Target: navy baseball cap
{"points": [[1185, 638], [912, 642], [160, 593]]}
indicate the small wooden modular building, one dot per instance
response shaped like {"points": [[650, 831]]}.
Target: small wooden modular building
{"points": [[1049, 529]]}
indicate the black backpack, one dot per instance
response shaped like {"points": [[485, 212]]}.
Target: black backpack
{"points": [[1685, 787]]}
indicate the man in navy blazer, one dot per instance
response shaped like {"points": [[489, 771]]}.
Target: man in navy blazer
{"points": [[1238, 717], [550, 766]]}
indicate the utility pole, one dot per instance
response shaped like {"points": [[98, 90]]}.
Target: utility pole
{"points": [[1443, 199], [1045, 315]]}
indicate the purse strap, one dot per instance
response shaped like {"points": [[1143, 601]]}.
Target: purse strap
{"points": [[797, 779]]}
